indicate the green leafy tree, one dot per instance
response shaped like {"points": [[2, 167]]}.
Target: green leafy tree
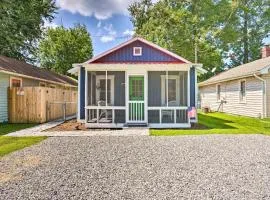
{"points": [[184, 27], [210, 32], [21, 25], [62, 47], [251, 24]]}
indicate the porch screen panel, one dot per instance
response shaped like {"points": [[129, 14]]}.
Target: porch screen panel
{"points": [[120, 116], [183, 88], [91, 88], [154, 88], [153, 116], [174, 88], [119, 87]]}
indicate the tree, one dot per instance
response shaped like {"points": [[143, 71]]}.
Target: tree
{"points": [[184, 27], [21, 25], [251, 25], [210, 32], [61, 47]]}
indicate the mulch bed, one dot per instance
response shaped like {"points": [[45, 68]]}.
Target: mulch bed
{"points": [[70, 125]]}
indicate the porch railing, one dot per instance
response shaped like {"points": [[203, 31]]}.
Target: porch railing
{"points": [[136, 111]]}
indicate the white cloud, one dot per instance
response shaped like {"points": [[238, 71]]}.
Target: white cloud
{"points": [[107, 38], [101, 9], [99, 24], [109, 33], [129, 32], [48, 24]]}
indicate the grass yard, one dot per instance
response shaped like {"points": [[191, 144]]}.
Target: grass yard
{"points": [[220, 123], [6, 128], [10, 144]]}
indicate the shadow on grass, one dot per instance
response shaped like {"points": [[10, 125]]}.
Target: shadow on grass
{"points": [[210, 122]]}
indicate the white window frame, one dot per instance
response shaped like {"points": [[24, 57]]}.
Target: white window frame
{"points": [[15, 78], [218, 99], [134, 51], [103, 77], [163, 86], [244, 99]]}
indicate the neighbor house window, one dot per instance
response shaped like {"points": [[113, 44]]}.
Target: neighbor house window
{"points": [[42, 84], [218, 92], [137, 51], [15, 82], [242, 91], [52, 86]]}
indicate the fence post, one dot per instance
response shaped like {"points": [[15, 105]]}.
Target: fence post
{"points": [[64, 110]]}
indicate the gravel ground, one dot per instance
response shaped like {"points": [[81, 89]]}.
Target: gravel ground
{"points": [[140, 167]]}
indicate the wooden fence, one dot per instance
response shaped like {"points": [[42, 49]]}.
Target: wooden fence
{"points": [[40, 104]]}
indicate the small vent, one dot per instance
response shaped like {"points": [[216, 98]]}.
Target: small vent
{"points": [[137, 51]]}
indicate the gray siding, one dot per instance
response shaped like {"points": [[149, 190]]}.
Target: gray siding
{"points": [[230, 92], [4, 84]]}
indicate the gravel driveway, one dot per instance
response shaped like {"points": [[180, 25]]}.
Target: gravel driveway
{"points": [[140, 167]]}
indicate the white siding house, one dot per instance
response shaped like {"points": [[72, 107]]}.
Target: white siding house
{"points": [[243, 90], [4, 84]]}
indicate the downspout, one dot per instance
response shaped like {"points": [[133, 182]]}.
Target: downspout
{"points": [[264, 94]]}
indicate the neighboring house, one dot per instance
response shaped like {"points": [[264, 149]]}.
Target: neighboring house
{"points": [[137, 83], [15, 73], [243, 90]]}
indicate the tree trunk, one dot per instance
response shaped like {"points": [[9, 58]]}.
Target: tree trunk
{"points": [[245, 36]]}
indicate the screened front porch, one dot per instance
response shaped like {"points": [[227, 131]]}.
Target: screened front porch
{"points": [[120, 98]]}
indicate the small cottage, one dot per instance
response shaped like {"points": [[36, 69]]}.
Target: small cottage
{"points": [[137, 83]]}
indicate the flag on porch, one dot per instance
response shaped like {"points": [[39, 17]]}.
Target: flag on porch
{"points": [[192, 113]]}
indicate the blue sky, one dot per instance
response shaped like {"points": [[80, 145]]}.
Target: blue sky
{"points": [[106, 20]]}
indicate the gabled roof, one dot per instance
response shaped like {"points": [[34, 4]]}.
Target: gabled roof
{"points": [[175, 56], [245, 70], [11, 65]]}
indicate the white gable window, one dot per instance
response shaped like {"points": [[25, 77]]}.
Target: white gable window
{"points": [[242, 91], [137, 51]]}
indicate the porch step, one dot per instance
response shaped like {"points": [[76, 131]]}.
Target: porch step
{"points": [[136, 125]]}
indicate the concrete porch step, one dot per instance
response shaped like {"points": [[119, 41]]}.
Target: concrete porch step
{"points": [[136, 125]]}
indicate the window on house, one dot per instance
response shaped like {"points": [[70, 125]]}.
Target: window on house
{"points": [[42, 84], [52, 86], [242, 91], [173, 91], [16, 82], [137, 51], [218, 92]]}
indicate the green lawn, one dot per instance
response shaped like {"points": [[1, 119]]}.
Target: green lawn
{"points": [[10, 144], [8, 128], [220, 123]]}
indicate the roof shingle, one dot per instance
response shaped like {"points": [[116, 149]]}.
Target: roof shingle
{"points": [[23, 68], [240, 71]]}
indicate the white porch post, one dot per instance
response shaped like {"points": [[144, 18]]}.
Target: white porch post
{"points": [[127, 93], [106, 87], [146, 97], [167, 92], [86, 94]]}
